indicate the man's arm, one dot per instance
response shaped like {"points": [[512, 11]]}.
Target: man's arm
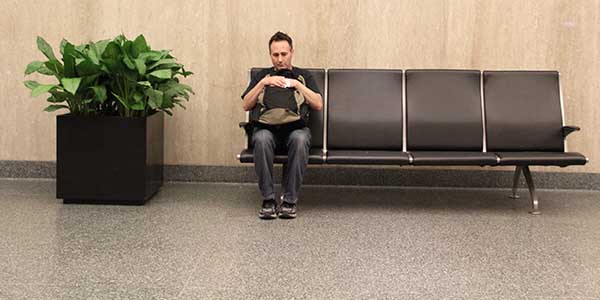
{"points": [[249, 100], [314, 100]]}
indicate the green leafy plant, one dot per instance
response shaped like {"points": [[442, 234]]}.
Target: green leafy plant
{"points": [[110, 77]]}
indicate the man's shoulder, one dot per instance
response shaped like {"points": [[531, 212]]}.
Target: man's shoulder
{"points": [[302, 71], [264, 71]]}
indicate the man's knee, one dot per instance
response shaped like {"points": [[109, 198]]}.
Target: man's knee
{"points": [[262, 137], [300, 138]]}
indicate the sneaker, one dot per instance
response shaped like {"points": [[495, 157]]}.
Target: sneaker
{"points": [[268, 210], [287, 210]]}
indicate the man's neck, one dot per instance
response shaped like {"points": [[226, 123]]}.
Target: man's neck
{"points": [[277, 69]]}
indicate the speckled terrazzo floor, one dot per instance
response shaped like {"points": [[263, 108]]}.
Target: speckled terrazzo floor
{"points": [[204, 241]]}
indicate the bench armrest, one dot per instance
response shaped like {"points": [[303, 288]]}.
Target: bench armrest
{"points": [[248, 127], [566, 130]]}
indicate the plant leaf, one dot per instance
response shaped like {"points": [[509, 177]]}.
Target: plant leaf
{"points": [[150, 56], [187, 88], [167, 103], [127, 61], [101, 46], [138, 106], [162, 62], [52, 99], [179, 104], [57, 97], [145, 83], [112, 51], [88, 81], [140, 65], [165, 54], [93, 55], [54, 107], [42, 88], [87, 67], [71, 84], [69, 60], [55, 67], [63, 42], [113, 65], [81, 48], [31, 84], [185, 73], [45, 71], [162, 74], [139, 46], [33, 66], [99, 93], [123, 102], [120, 39], [60, 96], [155, 98], [172, 66], [45, 48], [126, 51], [138, 96]]}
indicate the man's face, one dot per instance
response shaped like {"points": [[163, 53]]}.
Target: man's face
{"points": [[281, 55]]}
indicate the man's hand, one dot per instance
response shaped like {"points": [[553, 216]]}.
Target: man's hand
{"points": [[293, 83], [314, 100], [279, 81]]}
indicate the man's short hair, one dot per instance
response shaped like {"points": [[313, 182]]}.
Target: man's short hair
{"points": [[280, 36]]}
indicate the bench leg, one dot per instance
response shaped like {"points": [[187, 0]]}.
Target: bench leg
{"points": [[515, 188], [534, 200]]}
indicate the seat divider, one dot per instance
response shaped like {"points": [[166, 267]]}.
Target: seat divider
{"points": [[404, 146], [325, 116], [483, 126]]}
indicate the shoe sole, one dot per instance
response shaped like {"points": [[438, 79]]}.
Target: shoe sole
{"points": [[287, 216], [267, 217]]}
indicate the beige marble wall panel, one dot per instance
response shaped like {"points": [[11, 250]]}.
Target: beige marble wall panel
{"points": [[220, 40], [28, 133]]}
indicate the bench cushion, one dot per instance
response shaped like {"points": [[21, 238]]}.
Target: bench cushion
{"points": [[315, 156], [443, 110], [367, 157], [364, 110], [541, 158], [523, 111], [453, 158]]}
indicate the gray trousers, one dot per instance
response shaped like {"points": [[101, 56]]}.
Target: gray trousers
{"points": [[266, 143]]}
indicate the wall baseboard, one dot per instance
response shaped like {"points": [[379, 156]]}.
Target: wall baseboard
{"points": [[340, 175]]}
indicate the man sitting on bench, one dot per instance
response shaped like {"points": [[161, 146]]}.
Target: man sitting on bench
{"points": [[285, 95]]}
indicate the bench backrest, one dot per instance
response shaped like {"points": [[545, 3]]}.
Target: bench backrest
{"points": [[316, 117], [443, 110], [523, 111], [364, 109]]}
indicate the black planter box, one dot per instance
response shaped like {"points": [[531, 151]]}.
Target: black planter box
{"points": [[109, 160]]}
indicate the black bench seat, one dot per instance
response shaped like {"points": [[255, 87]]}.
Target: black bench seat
{"points": [[440, 118], [541, 159], [367, 157], [453, 158]]}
